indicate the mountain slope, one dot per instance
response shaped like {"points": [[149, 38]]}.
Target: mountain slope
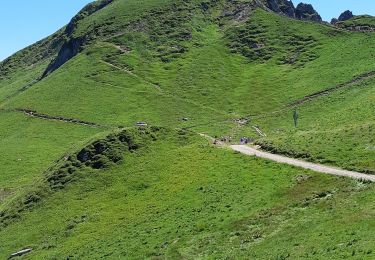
{"points": [[222, 67], [210, 73], [177, 196]]}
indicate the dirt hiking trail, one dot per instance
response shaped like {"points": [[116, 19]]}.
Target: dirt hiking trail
{"points": [[247, 150]]}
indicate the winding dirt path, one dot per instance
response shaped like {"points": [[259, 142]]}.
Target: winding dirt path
{"points": [[247, 150]]}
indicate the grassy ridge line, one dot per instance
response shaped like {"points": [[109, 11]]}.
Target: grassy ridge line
{"points": [[39, 55], [58, 174], [361, 23]]}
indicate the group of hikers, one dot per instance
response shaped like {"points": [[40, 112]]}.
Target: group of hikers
{"points": [[243, 140]]}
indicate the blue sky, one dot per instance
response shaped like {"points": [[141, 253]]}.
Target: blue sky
{"points": [[333, 8], [24, 22]]}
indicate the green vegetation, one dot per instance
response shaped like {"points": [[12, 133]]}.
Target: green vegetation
{"points": [[29, 145], [78, 181], [330, 130], [178, 197]]}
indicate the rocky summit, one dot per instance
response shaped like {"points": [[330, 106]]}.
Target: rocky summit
{"points": [[346, 16], [302, 11], [307, 12]]}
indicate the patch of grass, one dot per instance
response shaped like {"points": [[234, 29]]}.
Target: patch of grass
{"points": [[337, 129], [259, 39], [29, 146]]}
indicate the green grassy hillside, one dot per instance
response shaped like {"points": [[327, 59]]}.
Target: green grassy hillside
{"points": [[29, 146], [178, 197], [213, 76], [188, 67], [336, 129]]}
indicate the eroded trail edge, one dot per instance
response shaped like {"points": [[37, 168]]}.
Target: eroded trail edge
{"points": [[244, 149], [32, 113], [353, 82]]}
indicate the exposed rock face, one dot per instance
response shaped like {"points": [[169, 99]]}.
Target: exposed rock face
{"points": [[282, 6], [239, 10], [73, 45], [334, 21], [346, 16], [302, 11], [307, 12], [69, 49], [287, 7], [273, 5]]}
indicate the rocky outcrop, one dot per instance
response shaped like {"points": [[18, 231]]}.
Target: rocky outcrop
{"points": [[307, 12], [99, 155], [334, 21], [287, 7], [302, 11], [69, 49], [282, 6], [345, 16], [273, 5], [73, 45], [239, 10]]}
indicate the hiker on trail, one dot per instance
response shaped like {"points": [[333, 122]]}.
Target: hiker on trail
{"points": [[244, 140], [295, 118]]}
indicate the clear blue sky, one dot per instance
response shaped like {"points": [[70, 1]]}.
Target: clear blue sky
{"points": [[24, 22], [333, 8]]}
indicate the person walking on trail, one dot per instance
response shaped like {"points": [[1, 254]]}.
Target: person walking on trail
{"points": [[295, 118], [244, 140]]}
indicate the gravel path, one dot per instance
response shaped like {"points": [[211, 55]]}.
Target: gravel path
{"points": [[299, 163]]}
